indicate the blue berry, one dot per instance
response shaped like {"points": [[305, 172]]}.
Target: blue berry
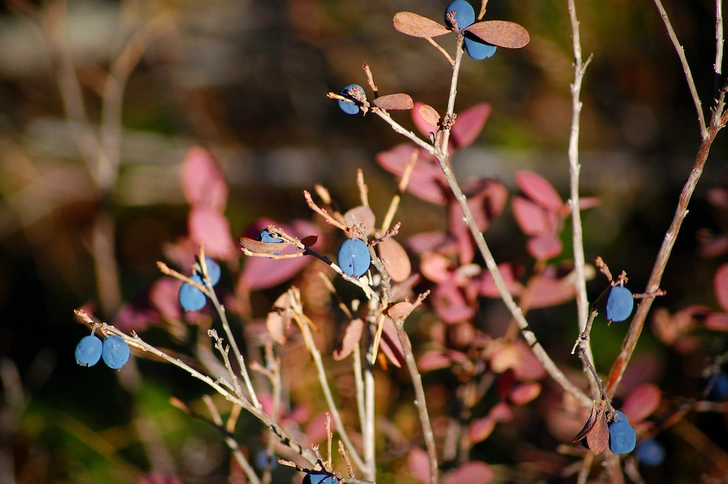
{"points": [[267, 237], [354, 257], [621, 416], [213, 270], [619, 304], [354, 92], [622, 438], [464, 14], [191, 298], [320, 478], [477, 49], [650, 453], [115, 352], [719, 391], [88, 350]]}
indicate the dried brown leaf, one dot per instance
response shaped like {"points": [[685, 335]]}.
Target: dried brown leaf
{"points": [[598, 437], [351, 339], [399, 310], [429, 114], [279, 319], [397, 261], [587, 426], [395, 102], [414, 25], [259, 247], [361, 215], [501, 33]]}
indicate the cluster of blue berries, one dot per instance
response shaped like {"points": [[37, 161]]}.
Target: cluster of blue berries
{"points": [[619, 303], [114, 351], [190, 297], [464, 17], [354, 257], [356, 94], [622, 438]]}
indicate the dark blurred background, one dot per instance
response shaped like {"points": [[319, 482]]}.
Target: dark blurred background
{"points": [[248, 80]]}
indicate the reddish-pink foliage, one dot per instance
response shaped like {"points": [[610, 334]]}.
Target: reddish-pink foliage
{"points": [[203, 184]]}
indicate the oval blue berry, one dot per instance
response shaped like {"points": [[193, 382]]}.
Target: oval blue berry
{"points": [[354, 257], [619, 304], [115, 352], [354, 92], [213, 270], [88, 350], [320, 478], [464, 14], [650, 453], [622, 438], [191, 298], [477, 49], [621, 416]]}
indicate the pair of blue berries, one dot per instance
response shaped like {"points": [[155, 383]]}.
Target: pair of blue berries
{"points": [[114, 351], [465, 17], [354, 258], [622, 438], [190, 297]]}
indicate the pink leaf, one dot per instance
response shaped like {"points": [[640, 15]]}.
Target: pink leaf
{"points": [[716, 322], [524, 393], [433, 360], [164, 297], [210, 227], [419, 464], [458, 227], [427, 241], [351, 339], [544, 247], [262, 273], [487, 197], [396, 159], [472, 473], [531, 218], [390, 344], [539, 190], [642, 402], [720, 285], [469, 124], [435, 267], [449, 303], [202, 182], [501, 412], [415, 25], [480, 429], [588, 202], [510, 273], [431, 191], [361, 215], [423, 117], [545, 292], [397, 261]]}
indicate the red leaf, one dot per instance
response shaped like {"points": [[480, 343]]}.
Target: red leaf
{"points": [[487, 198], [587, 425], [164, 297], [469, 124], [396, 260], [351, 339], [419, 464], [427, 242], [588, 202], [716, 321], [506, 381], [544, 247], [598, 437], [480, 429], [433, 360], [545, 292], [428, 190], [472, 473], [720, 285], [458, 227], [501, 33], [202, 182], [449, 303], [261, 273], [390, 344], [539, 190], [501, 412], [435, 267], [414, 25], [210, 227], [394, 102], [533, 219], [642, 402]]}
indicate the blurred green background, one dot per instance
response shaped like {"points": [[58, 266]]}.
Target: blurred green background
{"points": [[248, 79]]}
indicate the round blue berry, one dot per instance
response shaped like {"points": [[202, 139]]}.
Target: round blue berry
{"points": [[619, 304], [115, 352], [213, 270], [88, 350], [719, 391], [464, 14], [354, 92], [621, 416], [650, 453], [267, 237], [320, 478], [191, 298], [477, 49], [354, 257], [622, 438]]}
